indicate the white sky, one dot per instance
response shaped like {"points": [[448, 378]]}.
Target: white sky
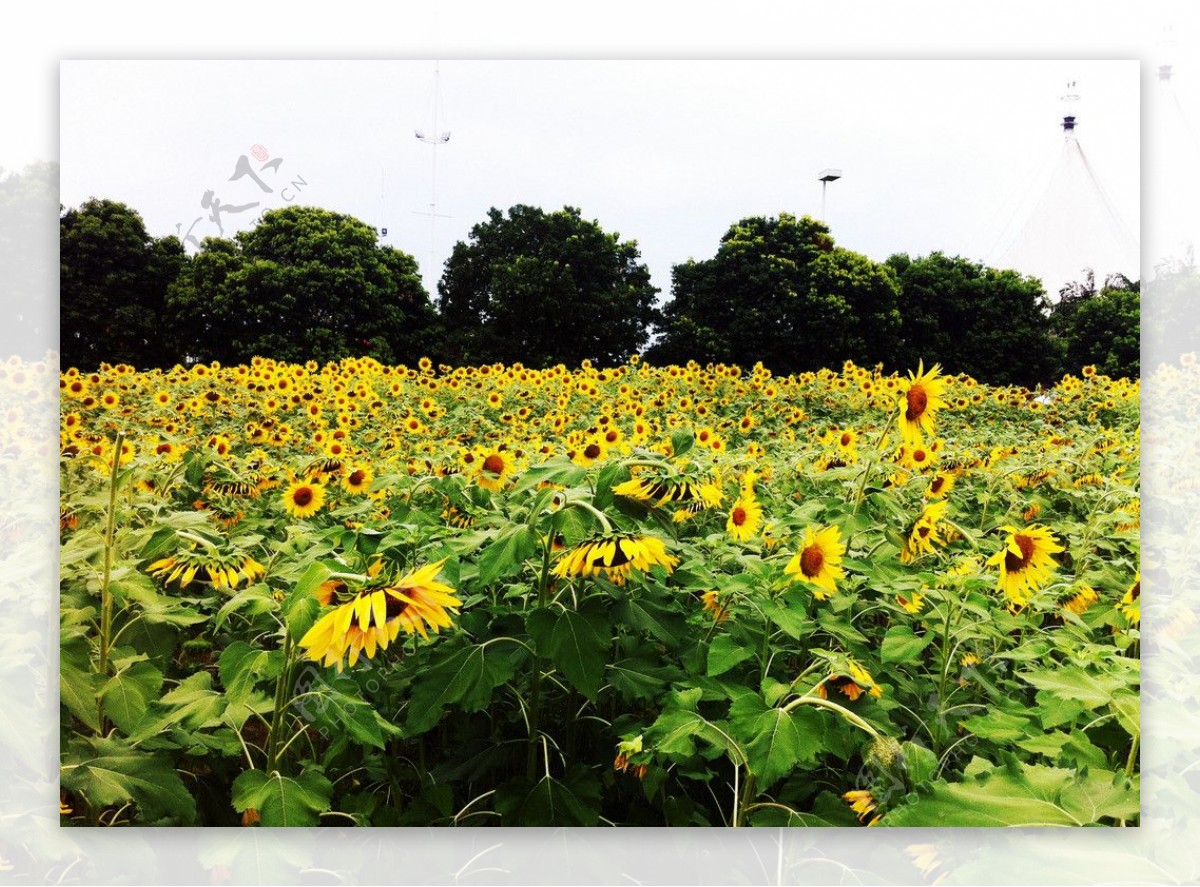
{"points": [[942, 155]]}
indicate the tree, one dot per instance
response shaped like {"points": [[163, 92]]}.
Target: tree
{"points": [[1101, 328], [303, 284], [545, 288], [990, 323], [113, 283], [779, 291]]}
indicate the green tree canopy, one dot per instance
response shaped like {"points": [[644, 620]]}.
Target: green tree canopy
{"points": [[303, 284], [545, 288], [1100, 327], [113, 283], [990, 323], [779, 291]]}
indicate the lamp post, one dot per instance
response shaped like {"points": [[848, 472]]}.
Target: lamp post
{"points": [[826, 176]]}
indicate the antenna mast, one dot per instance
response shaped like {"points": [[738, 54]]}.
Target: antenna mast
{"points": [[435, 139]]}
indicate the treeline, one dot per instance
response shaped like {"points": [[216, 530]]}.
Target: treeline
{"points": [[544, 288]]}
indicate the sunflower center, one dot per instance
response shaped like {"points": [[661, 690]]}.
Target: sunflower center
{"points": [[494, 464], [846, 438], [1136, 591], [811, 560], [1014, 564], [592, 451], [357, 478], [938, 483], [302, 496], [395, 607], [923, 531], [739, 516], [917, 400]]}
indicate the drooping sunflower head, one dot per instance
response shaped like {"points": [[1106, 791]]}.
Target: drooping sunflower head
{"points": [[614, 556], [921, 396], [818, 562], [224, 569], [1025, 562], [369, 618]]}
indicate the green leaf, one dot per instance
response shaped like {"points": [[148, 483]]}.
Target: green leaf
{"points": [[1048, 744], [775, 740], [507, 554], [574, 800], [920, 763], [109, 772], [1072, 682], [639, 678], [576, 642], [338, 706], [77, 690], [1026, 795], [900, 644], [129, 692], [676, 730], [193, 705], [682, 440], [1128, 707], [793, 622], [664, 625], [283, 800], [724, 653], [998, 726], [559, 470], [242, 666], [466, 677], [254, 599]]}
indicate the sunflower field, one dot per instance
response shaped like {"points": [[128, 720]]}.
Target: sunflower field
{"points": [[357, 594]]}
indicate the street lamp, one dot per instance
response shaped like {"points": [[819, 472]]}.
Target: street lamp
{"points": [[826, 176]]}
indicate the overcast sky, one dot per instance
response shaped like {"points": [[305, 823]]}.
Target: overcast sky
{"points": [[936, 155]]}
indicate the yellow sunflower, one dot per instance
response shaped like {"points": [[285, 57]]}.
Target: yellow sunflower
{"points": [[374, 616], [615, 557], [920, 399], [923, 535], [818, 561], [861, 802], [744, 518], [1025, 561], [493, 469], [358, 479], [941, 484], [1131, 604], [303, 498]]}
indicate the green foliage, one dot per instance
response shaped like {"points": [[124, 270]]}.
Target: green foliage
{"points": [[1100, 328], [545, 288], [986, 322], [778, 291], [114, 281], [303, 284]]}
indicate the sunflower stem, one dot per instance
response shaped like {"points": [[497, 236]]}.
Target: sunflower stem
{"points": [[106, 598], [588, 506], [849, 716], [862, 483], [535, 698], [281, 687]]}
